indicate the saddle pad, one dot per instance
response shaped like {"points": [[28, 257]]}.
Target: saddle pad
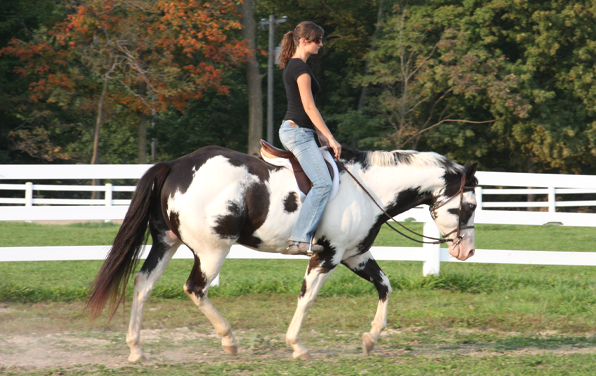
{"points": [[284, 162]]}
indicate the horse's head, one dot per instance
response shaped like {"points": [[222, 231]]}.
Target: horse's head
{"points": [[453, 212]]}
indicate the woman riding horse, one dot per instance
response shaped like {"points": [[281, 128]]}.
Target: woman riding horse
{"points": [[297, 132]]}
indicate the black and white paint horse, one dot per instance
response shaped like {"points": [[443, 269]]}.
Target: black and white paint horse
{"points": [[216, 197]]}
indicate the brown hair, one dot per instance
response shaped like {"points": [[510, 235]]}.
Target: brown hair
{"points": [[307, 30]]}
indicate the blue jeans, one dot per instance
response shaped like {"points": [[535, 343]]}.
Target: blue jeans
{"points": [[301, 142]]}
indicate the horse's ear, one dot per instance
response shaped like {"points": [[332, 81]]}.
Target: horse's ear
{"points": [[470, 170]]}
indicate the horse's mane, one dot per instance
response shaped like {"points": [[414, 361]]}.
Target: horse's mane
{"points": [[398, 157]]}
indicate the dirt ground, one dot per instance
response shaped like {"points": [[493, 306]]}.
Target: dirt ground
{"points": [[51, 344]]}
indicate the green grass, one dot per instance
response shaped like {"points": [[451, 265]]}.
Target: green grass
{"points": [[481, 319], [576, 364], [538, 238], [66, 281], [22, 234]]}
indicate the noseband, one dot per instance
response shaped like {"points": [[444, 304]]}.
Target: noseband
{"points": [[458, 237]]}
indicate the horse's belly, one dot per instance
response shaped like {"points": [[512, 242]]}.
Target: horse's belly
{"points": [[282, 212]]}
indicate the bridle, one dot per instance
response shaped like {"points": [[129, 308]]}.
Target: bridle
{"points": [[462, 188], [458, 237]]}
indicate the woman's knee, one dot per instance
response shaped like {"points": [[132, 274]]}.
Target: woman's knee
{"points": [[324, 186]]}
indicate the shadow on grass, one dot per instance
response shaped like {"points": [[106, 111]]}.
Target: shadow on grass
{"points": [[544, 343]]}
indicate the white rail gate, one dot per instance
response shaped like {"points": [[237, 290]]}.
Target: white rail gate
{"points": [[31, 204]]}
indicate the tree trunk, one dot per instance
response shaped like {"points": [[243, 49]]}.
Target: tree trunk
{"points": [[98, 120], [254, 80], [142, 137], [142, 129], [102, 99]]}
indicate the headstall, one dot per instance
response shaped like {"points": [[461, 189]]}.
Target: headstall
{"points": [[458, 237]]}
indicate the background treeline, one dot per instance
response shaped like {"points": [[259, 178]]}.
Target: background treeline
{"points": [[506, 83]]}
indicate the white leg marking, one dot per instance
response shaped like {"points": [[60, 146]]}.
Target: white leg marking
{"points": [[143, 286], [370, 339], [314, 281], [365, 266]]}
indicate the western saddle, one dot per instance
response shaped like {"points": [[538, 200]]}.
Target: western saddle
{"points": [[303, 181]]}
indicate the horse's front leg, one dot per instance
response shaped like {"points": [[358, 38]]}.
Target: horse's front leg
{"points": [[319, 268], [366, 267]]}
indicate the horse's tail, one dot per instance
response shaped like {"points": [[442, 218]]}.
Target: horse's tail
{"points": [[110, 283]]}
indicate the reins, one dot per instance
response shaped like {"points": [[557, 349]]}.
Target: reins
{"points": [[459, 193]]}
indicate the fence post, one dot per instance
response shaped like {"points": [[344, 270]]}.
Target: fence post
{"points": [[432, 252], [551, 200], [108, 198], [29, 194], [478, 194]]}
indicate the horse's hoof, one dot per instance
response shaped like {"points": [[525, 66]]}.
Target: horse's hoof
{"points": [[232, 350], [367, 344]]}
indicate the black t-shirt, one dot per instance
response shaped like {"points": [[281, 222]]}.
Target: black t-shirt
{"points": [[295, 112]]}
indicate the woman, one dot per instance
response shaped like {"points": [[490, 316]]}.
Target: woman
{"points": [[297, 132]]}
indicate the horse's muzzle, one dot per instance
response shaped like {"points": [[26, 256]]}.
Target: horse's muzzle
{"points": [[463, 249]]}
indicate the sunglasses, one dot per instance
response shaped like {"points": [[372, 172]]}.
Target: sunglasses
{"points": [[317, 40]]}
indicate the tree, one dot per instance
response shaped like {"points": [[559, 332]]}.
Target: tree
{"points": [[349, 27], [19, 18], [418, 75], [131, 56], [550, 47], [254, 79]]}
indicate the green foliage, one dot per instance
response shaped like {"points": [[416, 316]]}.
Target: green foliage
{"points": [[424, 75], [545, 44], [213, 120], [519, 75]]}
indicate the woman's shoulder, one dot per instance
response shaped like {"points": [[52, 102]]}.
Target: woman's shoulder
{"points": [[296, 60], [298, 65]]}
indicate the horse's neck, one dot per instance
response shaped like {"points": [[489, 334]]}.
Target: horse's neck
{"points": [[412, 185]]}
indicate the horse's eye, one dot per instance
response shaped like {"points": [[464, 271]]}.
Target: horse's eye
{"points": [[472, 206]]}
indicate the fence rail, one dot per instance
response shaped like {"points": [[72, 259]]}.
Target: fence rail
{"points": [[493, 184]]}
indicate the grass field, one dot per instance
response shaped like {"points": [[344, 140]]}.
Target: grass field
{"points": [[472, 319], [542, 238]]}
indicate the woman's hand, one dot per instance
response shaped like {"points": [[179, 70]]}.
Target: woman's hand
{"points": [[333, 144]]}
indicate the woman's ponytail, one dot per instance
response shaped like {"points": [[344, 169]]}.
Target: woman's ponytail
{"points": [[307, 30], [288, 47]]}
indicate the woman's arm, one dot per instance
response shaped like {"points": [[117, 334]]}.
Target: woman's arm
{"points": [[313, 113]]}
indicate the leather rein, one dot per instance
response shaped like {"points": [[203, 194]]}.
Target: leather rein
{"points": [[458, 237]]}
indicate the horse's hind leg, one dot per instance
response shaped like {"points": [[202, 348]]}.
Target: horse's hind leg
{"points": [[366, 267], [164, 247], [207, 266]]}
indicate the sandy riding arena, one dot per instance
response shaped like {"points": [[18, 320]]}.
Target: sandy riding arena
{"points": [[39, 338]]}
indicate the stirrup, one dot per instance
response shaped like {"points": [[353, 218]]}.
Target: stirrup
{"points": [[303, 248]]}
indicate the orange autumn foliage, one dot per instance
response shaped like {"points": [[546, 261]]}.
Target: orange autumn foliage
{"points": [[176, 49]]}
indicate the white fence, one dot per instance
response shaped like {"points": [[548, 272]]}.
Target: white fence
{"points": [[549, 190]]}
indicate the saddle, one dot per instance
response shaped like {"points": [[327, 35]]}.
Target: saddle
{"points": [[277, 157]]}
